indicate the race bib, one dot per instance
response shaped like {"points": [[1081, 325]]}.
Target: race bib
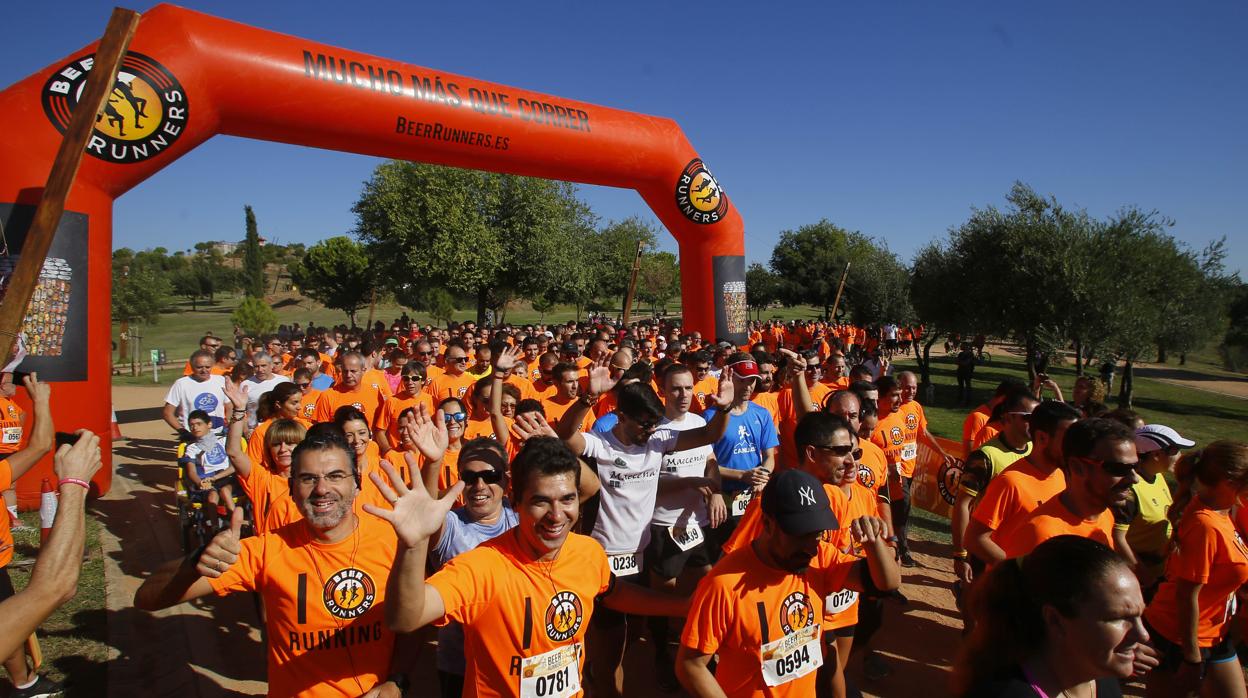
{"points": [[839, 601], [624, 564], [554, 674], [687, 537], [12, 435], [910, 451], [792, 656], [740, 502]]}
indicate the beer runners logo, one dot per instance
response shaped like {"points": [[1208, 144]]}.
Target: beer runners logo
{"points": [[563, 616], [912, 421], [699, 196], [948, 478], [894, 435], [796, 612], [866, 477], [349, 593], [144, 115]]}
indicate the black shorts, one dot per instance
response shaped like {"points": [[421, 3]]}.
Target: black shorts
{"points": [[845, 631], [1172, 654], [6, 584], [665, 559]]}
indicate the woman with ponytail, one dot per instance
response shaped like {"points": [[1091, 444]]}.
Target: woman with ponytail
{"points": [[1062, 621], [1189, 617]]}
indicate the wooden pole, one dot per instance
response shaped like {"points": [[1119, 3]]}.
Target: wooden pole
{"points": [[121, 27], [632, 284], [839, 288]]}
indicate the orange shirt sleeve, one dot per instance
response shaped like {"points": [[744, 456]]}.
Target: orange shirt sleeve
{"points": [[1198, 549], [710, 613], [244, 574], [467, 584]]}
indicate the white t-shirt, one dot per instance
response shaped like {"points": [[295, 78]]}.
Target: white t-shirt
{"points": [[630, 481], [188, 395], [681, 507], [254, 390]]}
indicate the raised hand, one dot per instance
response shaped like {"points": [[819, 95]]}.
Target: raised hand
{"points": [[223, 550], [235, 394], [428, 434], [600, 380], [79, 461], [796, 363], [38, 392], [723, 398], [868, 529], [506, 359], [532, 424], [414, 515]]}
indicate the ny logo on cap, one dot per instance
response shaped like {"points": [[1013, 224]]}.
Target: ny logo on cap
{"points": [[807, 495]]}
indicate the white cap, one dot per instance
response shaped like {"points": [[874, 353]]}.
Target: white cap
{"points": [[1154, 437]]}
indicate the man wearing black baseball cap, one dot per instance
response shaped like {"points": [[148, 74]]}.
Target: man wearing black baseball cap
{"points": [[761, 608]]}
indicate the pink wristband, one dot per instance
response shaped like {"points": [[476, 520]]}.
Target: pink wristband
{"points": [[74, 481]]}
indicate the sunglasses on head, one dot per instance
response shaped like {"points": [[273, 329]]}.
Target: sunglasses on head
{"points": [[472, 477], [454, 417]]}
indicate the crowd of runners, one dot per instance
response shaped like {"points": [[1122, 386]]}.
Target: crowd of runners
{"points": [[538, 497]]}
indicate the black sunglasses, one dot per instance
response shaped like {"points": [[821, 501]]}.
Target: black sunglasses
{"points": [[1114, 468], [489, 477], [841, 451]]}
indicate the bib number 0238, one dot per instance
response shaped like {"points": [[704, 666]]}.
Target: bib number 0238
{"points": [[624, 564]]}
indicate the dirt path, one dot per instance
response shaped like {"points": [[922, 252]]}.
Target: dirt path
{"points": [[214, 647], [1221, 383]]}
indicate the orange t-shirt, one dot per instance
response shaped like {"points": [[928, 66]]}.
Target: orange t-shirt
{"points": [[388, 416], [255, 444], [898, 435], [1016, 492], [1050, 520], [272, 505], [704, 387], [6, 536], [743, 605], [449, 474], [841, 606], [376, 379], [986, 433], [788, 457], [12, 433], [555, 411], [307, 404], [1211, 553], [751, 524], [524, 385], [514, 608], [974, 422], [364, 398], [325, 606], [873, 468], [841, 383], [769, 401], [446, 385]]}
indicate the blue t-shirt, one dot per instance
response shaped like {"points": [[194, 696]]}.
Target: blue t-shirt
{"points": [[605, 423], [748, 435], [459, 535], [323, 381]]}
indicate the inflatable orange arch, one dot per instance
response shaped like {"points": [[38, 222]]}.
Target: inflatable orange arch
{"points": [[189, 76]]}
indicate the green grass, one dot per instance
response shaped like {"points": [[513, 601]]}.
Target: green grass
{"points": [[74, 638]]}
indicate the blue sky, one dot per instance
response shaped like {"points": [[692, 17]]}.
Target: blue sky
{"points": [[890, 118]]}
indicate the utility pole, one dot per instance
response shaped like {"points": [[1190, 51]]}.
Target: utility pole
{"points": [[632, 284]]}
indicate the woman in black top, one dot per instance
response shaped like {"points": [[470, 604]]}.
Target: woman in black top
{"points": [[1063, 621]]}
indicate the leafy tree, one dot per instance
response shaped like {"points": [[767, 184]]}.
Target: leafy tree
{"points": [[336, 272], [254, 316], [762, 288], [1235, 342], [253, 258], [492, 236], [811, 260], [658, 280], [615, 248], [138, 294], [542, 306], [193, 282]]}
